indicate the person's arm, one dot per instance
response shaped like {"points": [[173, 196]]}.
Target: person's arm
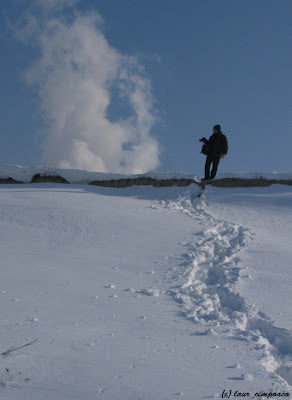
{"points": [[224, 146]]}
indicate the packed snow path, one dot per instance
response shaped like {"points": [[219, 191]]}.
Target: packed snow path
{"points": [[144, 293], [211, 271]]}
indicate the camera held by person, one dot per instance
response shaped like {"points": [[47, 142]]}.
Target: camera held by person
{"points": [[204, 140]]}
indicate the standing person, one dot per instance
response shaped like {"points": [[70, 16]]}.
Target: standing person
{"points": [[217, 147]]}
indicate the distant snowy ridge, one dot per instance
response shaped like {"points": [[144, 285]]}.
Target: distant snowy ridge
{"points": [[26, 174], [258, 175]]}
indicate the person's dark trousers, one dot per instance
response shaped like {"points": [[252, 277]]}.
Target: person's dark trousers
{"points": [[209, 160]]}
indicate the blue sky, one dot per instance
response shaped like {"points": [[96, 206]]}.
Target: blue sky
{"points": [[204, 62]]}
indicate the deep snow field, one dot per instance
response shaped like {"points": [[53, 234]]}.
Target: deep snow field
{"points": [[145, 293]]}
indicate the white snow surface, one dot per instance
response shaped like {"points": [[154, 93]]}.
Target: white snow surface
{"points": [[144, 293]]}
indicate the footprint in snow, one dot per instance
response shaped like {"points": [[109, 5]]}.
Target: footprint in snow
{"points": [[110, 286], [207, 332], [242, 377], [150, 292], [236, 366], [263, 315], [34, 319]]}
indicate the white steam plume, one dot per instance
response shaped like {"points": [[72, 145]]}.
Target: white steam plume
{"points": [[75, 75]]}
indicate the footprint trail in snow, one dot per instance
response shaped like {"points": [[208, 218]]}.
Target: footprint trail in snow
{"points": [[206, 285]]}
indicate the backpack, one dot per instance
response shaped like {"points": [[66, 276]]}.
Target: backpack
{"points": [[205, 149]]}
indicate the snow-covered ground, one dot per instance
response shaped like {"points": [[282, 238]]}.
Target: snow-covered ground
{"points": [[144, 293]]}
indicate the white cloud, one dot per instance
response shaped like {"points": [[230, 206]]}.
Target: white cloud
{"points": [[75, 75], [53, 5]]}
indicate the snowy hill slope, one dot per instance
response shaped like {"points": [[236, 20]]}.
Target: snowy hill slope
{"points": [[144, 293]]}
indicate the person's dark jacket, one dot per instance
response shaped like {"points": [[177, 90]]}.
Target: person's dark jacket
{"points": [[217, 145]]}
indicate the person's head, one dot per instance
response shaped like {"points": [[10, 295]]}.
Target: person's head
{"points": [[216, 128]]}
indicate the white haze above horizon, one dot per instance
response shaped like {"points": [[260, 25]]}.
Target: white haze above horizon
{"points": [[75, 75]]}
